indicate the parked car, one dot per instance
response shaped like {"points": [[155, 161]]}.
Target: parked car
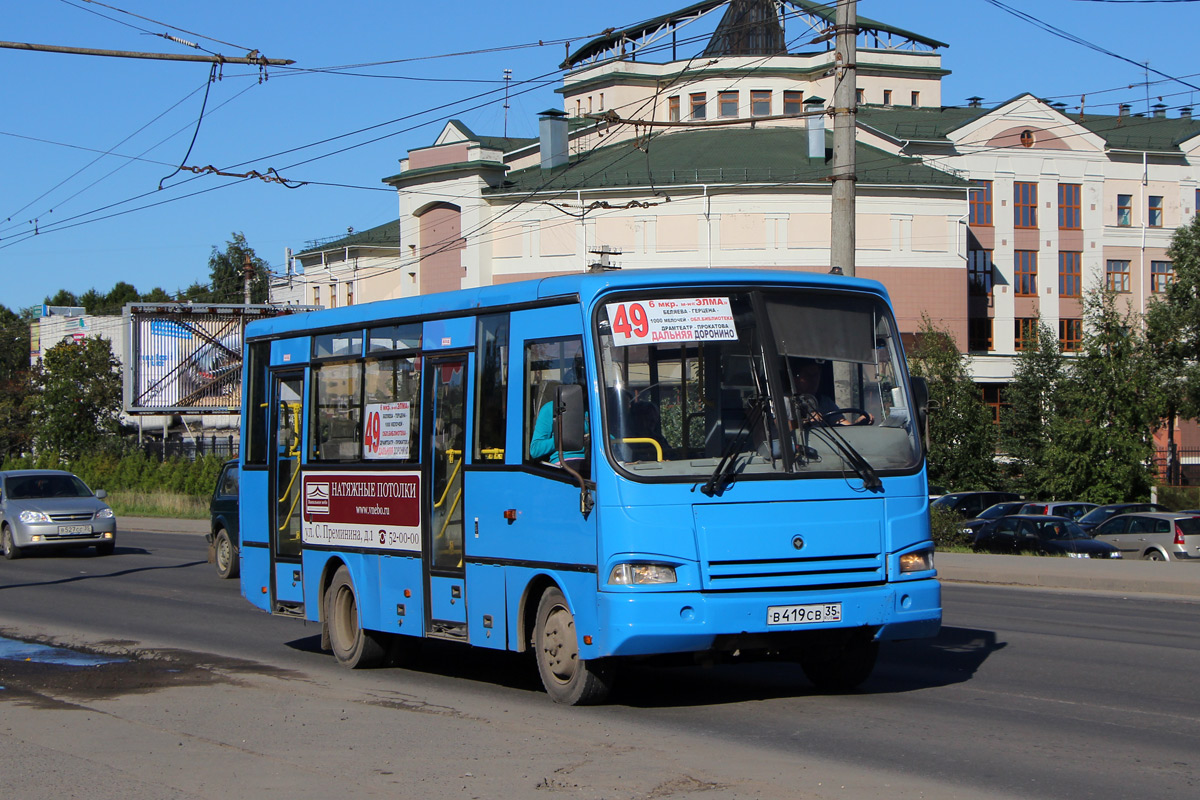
{"points": [[1100, 513], [1041, 535], [50, 508], [223, 538], [1071, 509], [1169, 536], [968, 505], [993, 512]]}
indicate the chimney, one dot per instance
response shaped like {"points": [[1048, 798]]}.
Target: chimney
{"points": [[975, 102], [1123, 110], [1185, 112], [1059, 106], [1160, 110], [552, 135], [816, 127]]}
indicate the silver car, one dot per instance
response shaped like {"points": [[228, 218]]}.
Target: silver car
{"points": [[42, 508], [1153, 536]]}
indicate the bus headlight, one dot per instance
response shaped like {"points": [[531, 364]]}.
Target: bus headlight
{"points": [[919, 561], [639, 574]]}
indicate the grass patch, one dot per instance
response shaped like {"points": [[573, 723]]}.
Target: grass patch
{"points": [[157, 504]]}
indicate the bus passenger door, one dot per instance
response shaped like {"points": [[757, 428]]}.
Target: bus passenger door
{"points": [[445, 453], [287, 416]]}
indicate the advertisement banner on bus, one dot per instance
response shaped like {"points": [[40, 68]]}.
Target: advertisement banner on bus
{"points": [[363, 509]]}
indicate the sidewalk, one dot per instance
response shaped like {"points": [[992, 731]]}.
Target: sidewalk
{"points": [[1126, 577]]}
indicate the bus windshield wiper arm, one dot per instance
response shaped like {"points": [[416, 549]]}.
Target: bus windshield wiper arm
{"points": [[722, 475], [830, 435]]}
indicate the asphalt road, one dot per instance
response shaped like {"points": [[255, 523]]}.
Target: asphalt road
{"points": [[1026, 693]]}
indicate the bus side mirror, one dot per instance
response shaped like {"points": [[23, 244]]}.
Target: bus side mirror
{"points": [[920, 399], [568, 417]]}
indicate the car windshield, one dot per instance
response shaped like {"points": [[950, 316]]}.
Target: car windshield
{"points": [[996, 511], [1098, 515], [39, 487], [754, 383], [1060, 529]]}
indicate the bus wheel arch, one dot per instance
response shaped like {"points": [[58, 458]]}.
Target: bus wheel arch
{"points": [[527, 613], [353, 645]]}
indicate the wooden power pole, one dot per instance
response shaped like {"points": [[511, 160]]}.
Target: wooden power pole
{"points": [[845, 100]]}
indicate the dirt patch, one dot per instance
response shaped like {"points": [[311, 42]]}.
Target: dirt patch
{"points": [[138, 671]]}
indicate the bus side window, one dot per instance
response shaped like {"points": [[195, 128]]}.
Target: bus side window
{"points": [[549, 364]]}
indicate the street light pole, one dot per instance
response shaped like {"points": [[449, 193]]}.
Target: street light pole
{"points": [[845, 99]]}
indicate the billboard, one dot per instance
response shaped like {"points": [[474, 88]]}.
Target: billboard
{"points": [[187, 358]]}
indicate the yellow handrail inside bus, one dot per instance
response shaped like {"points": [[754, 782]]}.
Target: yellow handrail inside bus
{"points": [[493, 453], [450, 454], [647, 440]]}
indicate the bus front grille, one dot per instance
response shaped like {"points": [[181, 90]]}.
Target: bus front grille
{"points": [[800, 573]]}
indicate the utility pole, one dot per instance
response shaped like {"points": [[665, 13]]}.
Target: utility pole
{"points": [[845, 100]]}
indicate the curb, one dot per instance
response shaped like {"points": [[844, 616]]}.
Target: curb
{"points": [[1172, 578]]}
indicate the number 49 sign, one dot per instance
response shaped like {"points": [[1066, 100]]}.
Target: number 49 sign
{"points": [[686, 319]]}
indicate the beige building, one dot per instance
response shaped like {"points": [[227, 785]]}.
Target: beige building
{"points": [[986, 219]]}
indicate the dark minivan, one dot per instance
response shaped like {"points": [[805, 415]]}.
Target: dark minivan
{"points": [[223, 539]]}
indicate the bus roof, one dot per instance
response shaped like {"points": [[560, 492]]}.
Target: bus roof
{"points": [[583, 286]]}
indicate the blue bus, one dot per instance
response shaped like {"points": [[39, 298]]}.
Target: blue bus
{"points": [[595, 468]]}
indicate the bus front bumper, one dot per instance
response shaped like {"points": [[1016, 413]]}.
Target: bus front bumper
{"points": [[649, 623]]}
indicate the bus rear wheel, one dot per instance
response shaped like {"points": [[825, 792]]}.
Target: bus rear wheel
{"points": [[353, 646], [843, 669], [568, 679]]}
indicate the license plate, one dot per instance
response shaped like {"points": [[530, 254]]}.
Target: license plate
{"points": [[800, 615], [74, 529]]}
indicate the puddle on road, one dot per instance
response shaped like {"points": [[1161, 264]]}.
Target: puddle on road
{"points": [[16, 650]]}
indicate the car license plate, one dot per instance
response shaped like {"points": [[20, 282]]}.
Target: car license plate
{"points": [[799, 615], [74, 530]]}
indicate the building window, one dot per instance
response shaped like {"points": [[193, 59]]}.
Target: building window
{"points": [[760, 103], [858, 96], [993, 395], [1025, 333], [887, 97], [673, 108], [793, 102], [1124, 210], [1070, 215], [979, 334], [1025, 272], [1154, 211], [699, 107], [1162, 275], [1117, 275], [1070, 335], [1027, 138], [333, 295], [602, 101], [316, 295], [980, 203], [979, 273], [350, 293], [916, 99], [1070, 274], [728, 102], [1024, 205]]}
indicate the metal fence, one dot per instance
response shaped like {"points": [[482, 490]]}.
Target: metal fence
{"points": [[1183, 471], [225, 446]]}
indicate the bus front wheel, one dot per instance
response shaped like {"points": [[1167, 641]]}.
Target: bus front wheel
{"points": [[352, 646], [568, 679], [843, 669]]}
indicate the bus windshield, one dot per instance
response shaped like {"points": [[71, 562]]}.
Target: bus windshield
{"points": [[774, 383]]}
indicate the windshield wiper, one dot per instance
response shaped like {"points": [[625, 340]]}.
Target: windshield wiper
{"points": [[723, 476], [830, 436]]}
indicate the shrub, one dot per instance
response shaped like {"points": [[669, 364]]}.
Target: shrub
{"points": [[946, 528]]}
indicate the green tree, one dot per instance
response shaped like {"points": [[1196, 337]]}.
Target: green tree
{"points": [[15, 376], [1100, 447], [63, 298], [227, 273], [1034, 404], [962, 437], [156, 295], [78, 397]]}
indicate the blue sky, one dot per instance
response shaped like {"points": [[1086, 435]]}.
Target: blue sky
{"points": [[85, 141]]}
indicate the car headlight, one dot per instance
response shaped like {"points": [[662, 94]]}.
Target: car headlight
{"points": [[1080, 555], [919, 561], [640, 574], [104, 513], [34, 516]]}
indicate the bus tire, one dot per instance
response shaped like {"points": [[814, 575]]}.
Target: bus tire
{"points": [[844, 669], [225, 555], [352, 646], [568, 679]]}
